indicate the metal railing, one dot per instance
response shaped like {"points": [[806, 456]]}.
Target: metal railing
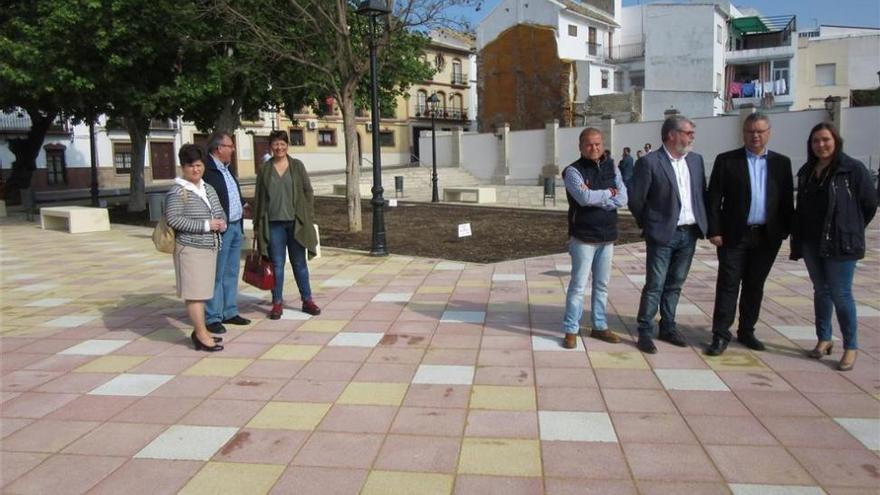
{"points": [[749, 33], [424, 112], [627, 51], [459, 79]]}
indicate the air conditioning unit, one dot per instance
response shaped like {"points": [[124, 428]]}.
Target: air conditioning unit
{"points": [[312, 125], [369, 126]]}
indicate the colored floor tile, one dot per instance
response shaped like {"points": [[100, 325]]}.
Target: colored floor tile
{"points": [[402, 483], [503, 398], [218, 478], [183, 442], [501, 457], [376, 394], [218, 367], [290, 415]]}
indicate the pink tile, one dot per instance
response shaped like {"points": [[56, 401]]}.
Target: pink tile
{"points": [[669, 358], [413, 327], [311, 391], [467, 484], [308, 338], [669, 462], [358, 419], [319, 481], [59, 362], [16, 464], [388, 373], [652, 428], [35, 405], [618, 378], [445, 341], [506, 342], [424, 395], [69, 474], [190, 386], [594, 460], [351, 354], [418, 453], [708, 403], [157, 410], [79, 383], [767, 403], [92, 408], [846, 405], [24, 380], [47, 435], [270, 368], [690, 488], [223, 412], [9, 426], [116, 439], [730, 430], [166, 365], [403, 340], [520, 424], [249, 388], [504, 375], [561, 360], [328, 371], [759, 465], [262, 446], [455, 357], [165, 477], [505, 357], [396, 356], [570, 399], [754, 380], [819, 382], [810, 432], [259, 337], [429, 421], [587, 486], [848, 468], [642, 401], [565, 377], [350, 450], [13, 361]]}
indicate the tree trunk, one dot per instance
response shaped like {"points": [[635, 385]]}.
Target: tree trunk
{"points": [[137, 132], [230, 116], [352, 165], [26, 151]]}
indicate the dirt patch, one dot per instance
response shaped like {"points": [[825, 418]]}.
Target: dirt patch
{"points": [[431, 230]]}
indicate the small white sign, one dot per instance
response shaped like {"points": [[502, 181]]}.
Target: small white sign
{"points": [[464, 230], [392, 202]]}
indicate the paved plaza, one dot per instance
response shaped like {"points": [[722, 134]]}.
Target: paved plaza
{"points": [[422, 376]]}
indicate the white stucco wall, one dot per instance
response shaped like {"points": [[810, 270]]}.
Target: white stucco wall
{"points": [[526, 155], [480, 154], [509, 13]]}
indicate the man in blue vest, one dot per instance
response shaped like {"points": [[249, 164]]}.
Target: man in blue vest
{"points": [[595, 191]]}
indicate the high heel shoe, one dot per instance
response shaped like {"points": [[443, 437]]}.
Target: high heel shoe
{"points": [[821, 349], [199, 346], [848, 360]]}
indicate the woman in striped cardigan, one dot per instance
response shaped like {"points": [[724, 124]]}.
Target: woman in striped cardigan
{"points": [[193, 210]]}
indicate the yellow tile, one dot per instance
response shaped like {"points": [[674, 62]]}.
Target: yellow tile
{"points": [[220, 478], [435, 290], [111, 364], [503, 398], [734, 361], [399, 483], [218, 367], [426, 306], [547, 298], [474, 283], [618, 360], [500, 456], [290, 415], [325, 326], [291, 352], [374, 394], [545, 283], [166, 335], [508, 307]]}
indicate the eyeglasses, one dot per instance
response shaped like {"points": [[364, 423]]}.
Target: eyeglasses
{"points": [[756, 131], [689, 133], [227, 145]]}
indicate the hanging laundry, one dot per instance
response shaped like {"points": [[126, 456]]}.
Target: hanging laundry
{"points": [[759, 88], [748, 90], [734, 90]]}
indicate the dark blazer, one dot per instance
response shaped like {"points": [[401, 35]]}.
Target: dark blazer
{"points": [[214, 177], [730, 196], [654, 200]]}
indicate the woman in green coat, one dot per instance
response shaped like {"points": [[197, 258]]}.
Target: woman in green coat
{"points": [[283, 223]]}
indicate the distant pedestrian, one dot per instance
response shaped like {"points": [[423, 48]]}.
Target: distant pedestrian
{"points": [[595, 191], [639, 154], [626, 166], [647, 148]]}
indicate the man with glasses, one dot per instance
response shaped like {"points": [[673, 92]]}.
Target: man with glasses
{"points": [[750, 206], [223, 307], [668, 202]]}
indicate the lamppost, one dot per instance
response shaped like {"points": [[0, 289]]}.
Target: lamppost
{"points": [[433, 100], [373, 9]]}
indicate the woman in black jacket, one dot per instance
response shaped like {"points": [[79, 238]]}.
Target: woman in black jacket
{"points": [[835, 201]]}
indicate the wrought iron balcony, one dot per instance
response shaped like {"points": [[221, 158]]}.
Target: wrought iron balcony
{"points": [[459, 79], [424, 112]]}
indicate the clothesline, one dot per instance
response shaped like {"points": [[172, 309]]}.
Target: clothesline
{"points": [[757, 89]]}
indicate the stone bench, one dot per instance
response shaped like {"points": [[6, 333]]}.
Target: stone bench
{"points": [[75, 219], [366, 190], [248, 240], [469, 194]]}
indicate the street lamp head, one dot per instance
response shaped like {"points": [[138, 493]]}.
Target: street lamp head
{"points": [[433, 99], [373, 8]]}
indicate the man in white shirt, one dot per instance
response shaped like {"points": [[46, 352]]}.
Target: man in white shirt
{"points": [[668, 202]]}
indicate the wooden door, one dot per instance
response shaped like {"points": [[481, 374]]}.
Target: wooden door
{"points": [[261, 148], [162, 160]]}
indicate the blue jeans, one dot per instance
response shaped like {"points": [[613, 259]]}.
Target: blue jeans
{"points": [[585, 259], [832, 290], [667, 268], [224, 305], [281, 237]]}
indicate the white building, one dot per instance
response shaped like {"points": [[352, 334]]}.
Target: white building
{"points": [[707, 58]]}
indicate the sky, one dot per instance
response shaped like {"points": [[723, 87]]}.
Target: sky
{"points": [[863, 13]]}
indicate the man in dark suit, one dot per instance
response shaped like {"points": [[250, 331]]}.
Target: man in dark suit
{"points": [[668, 203], [750, 211]]}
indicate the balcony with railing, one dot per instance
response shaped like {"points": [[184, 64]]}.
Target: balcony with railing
{"points": [[629, 51], [755, 38], [424, 112], [459, 79], [595, 49], [19, 122]]}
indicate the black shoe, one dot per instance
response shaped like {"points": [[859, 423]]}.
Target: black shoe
{"points": [[237, 320], [646, 345], [216, 327], [199, 346], [749, 340], [717, 347], [673, 337]]}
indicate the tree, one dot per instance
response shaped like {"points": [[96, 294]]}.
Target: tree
{"points": [[329, 41]]}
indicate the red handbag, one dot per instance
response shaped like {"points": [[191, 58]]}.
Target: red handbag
{"points": [[258, 270]]}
